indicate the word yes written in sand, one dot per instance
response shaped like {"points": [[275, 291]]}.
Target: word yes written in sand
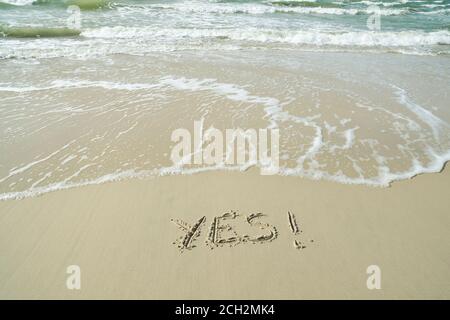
{"points": [[233, 229]]}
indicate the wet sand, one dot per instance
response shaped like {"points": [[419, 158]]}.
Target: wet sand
{"points": [[125, 238]]}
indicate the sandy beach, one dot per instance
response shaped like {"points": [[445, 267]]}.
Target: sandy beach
{"points": [[121, 235]]}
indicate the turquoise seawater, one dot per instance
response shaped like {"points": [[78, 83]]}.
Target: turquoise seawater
{"points": [[139, 27]]}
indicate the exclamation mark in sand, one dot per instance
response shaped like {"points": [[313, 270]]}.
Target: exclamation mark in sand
{"points": [[296, 231]]}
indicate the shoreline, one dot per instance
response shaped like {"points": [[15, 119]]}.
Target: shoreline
{"points": [[21, 195]]}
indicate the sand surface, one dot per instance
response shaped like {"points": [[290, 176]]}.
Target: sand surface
{"points": [[122, 236]]}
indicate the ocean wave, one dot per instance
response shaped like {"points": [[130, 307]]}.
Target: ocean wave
{"points": [[37, 32], [437, 12], [295, 7], [82, 4], [104, 41], [18, 2], [317, 38], [254, 8], [96, 42], [305, 4]]}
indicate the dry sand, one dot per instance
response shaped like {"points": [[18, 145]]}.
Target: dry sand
{"points": [[121, 235]]}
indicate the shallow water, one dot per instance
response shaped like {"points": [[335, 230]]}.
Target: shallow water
{"points": [[349, 118]]}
